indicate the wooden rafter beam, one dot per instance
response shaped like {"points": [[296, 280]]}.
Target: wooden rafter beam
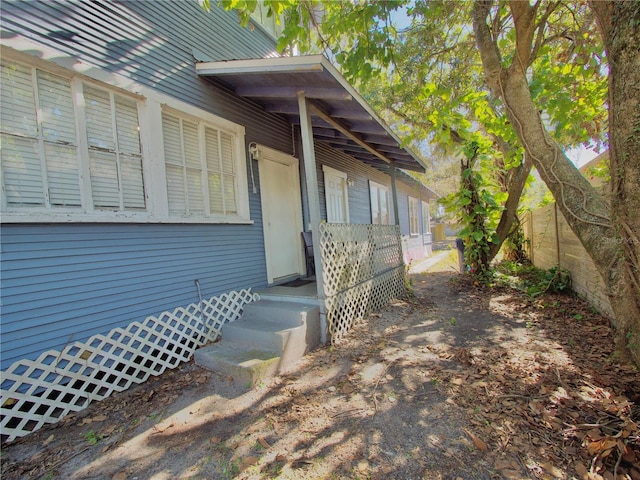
{"points": [[318, 111]]}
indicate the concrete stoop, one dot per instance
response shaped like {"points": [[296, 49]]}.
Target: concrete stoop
{"points": [[269, 338]]}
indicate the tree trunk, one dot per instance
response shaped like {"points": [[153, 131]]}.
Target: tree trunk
{"points": [[619, 24], [586, 212], [515, 186]]}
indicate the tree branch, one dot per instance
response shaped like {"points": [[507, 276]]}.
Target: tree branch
{"points": [[540, 27], [524, 19], [489, 53]]}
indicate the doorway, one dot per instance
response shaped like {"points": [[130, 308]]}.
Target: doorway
{"points": [[281, 214]]}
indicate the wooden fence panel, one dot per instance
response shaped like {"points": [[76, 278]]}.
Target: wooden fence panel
{"points": [[552, 243]]}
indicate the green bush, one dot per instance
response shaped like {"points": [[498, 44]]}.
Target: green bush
{"points": [[532, 280]]}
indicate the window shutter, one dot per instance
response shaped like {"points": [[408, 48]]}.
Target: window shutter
{"points": [[21, 171], [59, 134], [229, 176], [214, 172], [18, 104], [130, 153], [22, 161], [193, 167], [201, 167], [20, 156], [103, 160], [375, 205], [174, 164], [115, 156]]}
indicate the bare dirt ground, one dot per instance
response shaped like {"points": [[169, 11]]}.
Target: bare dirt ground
{"points": [[455, 382]]}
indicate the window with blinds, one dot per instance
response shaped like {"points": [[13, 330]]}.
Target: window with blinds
{"points": [[43, 165], [414, 226], [426, 218], [379, 204], [201, 164]]}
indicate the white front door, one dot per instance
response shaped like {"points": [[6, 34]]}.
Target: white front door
{"points": [[281, 213], [336, 196]]}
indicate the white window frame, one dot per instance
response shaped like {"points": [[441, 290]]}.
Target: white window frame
{"points": [[150, 104], [414, 222], [236, 132], [376, 192], [86, 208], [426, 218], [345, 191]]}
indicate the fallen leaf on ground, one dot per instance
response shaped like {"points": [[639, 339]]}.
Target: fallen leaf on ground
{"points": [[480, 445], [347, 388]]}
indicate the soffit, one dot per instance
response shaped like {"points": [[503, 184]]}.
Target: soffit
{"points": [[340, 116]]}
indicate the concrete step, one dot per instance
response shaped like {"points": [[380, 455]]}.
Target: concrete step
{"points": [[291, 329], [247, 367], [268, 339]]}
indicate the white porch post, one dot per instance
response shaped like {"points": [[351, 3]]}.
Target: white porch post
{"points": [[394, 192], [311, 178]]}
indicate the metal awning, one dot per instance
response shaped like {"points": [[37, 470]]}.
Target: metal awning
{"points": [[340, 116]]}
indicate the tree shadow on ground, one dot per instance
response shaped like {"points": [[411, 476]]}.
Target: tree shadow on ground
{"points": [[457, 381]]}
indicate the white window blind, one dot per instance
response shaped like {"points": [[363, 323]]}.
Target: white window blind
{"points": [[426, 218], [114, 151], [379, 204], [201, 167], [39, 145], [414, 227]]}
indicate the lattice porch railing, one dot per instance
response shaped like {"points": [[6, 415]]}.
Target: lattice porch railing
{"points": [[362, 269], [34, 393]]}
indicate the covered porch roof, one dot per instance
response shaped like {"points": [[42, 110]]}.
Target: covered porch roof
{"points": [[340, 116]]}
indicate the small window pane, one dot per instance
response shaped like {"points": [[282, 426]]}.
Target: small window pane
{"points": [[194, 185], [230, 195], [132, 182], [191, 145], [104, 180], [127, 125], [172, 142], [56, 107], [21, 171], [62, 175], [175, 190], [98, 117], [226, 141], [18, 105], [215, 193]]}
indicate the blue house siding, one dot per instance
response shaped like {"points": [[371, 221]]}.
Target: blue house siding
{"points": [[66, 282], [79, 280], [142, 43]]}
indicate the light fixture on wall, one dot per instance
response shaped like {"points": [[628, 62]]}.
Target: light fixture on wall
{"points": [[350, 182], [253, 151], [254, 154]]}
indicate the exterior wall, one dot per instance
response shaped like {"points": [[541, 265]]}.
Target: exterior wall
{"points": [[552, 243], [414, 246], [69, 281], [64, 282]]}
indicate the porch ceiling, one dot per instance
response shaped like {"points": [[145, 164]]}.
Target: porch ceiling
{"points": [[340, 116]]}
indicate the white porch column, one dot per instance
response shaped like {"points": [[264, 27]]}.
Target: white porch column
{"points": [[394, 192], [311, 178]]}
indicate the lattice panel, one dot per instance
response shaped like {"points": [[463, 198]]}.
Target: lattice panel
{"points": [[34, 393], [348, 308], [352, 254], [363, 268]]}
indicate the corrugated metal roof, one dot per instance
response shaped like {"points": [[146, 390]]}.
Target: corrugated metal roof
{"points": [[340, 116]]}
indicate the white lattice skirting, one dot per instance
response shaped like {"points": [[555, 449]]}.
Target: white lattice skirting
{"points": [[34, 393], [362, 268]]}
